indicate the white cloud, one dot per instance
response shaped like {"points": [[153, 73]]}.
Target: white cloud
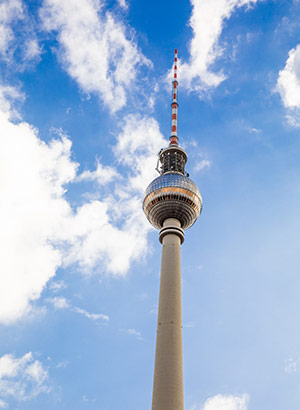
{"points": [[293, 118], [225, 402], [10, 11], [107, 64], [3, 404], [287, 26], [137, 147], [63, 303], [202, 164], [207, 21], [134, 332], [254, 130], [116, 227], [102, 174], [59, 302], [32, 50], [123, 4], [8, 95], [22, 378], [32, 178], [57, 286], [62, 364], [95, 239], [85, 399], [288, 86], [38, 224], [15, 36], [93, 316]]}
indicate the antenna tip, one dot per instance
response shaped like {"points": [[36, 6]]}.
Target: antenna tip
{"points": [[175, 50]]}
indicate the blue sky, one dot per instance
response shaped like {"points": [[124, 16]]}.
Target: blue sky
{"points": [[85, 98]]}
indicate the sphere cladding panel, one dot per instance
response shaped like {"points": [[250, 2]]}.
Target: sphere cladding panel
{"points": [[172, 195]]}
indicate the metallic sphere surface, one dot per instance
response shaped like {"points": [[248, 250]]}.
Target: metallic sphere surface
{"points": [[172, 195]]}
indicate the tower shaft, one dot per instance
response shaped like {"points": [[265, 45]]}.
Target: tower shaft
{"points": [[172, 203], [168, 372]]}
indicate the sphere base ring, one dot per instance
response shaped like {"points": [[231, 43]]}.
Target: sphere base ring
{"points": [[175, 230]]}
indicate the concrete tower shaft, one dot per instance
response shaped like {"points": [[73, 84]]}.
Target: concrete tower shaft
{"points": [[168, 371]]}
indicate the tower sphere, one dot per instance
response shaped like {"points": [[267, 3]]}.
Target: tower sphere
{"points": [[172, 195]]}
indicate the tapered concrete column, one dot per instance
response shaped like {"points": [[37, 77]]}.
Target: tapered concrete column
{"points": [[168, 372]]}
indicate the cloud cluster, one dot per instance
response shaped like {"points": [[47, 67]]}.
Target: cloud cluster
{"points": [[114, 231], [15, 36], [221, 402], [288, 85], [8, 96], [207, 21], [21, 378], [107, 64], [40, 231], [10, 12], [225, 402], [32, 178]]}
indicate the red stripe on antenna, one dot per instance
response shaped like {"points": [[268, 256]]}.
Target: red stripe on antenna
{"points": [[173, 139]]}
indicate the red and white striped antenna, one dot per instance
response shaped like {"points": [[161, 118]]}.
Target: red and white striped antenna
{"points": [[174, 138]]}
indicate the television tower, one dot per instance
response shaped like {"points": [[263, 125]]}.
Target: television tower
{"points": [[172, 203]]}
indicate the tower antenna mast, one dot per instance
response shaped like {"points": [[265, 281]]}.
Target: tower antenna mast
{"points": [[174, 138]]}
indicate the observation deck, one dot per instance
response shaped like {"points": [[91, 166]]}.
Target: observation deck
{"points": [[172, 195]]}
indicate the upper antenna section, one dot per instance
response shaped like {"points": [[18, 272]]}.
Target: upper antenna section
{"points": [[174, 138]]}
